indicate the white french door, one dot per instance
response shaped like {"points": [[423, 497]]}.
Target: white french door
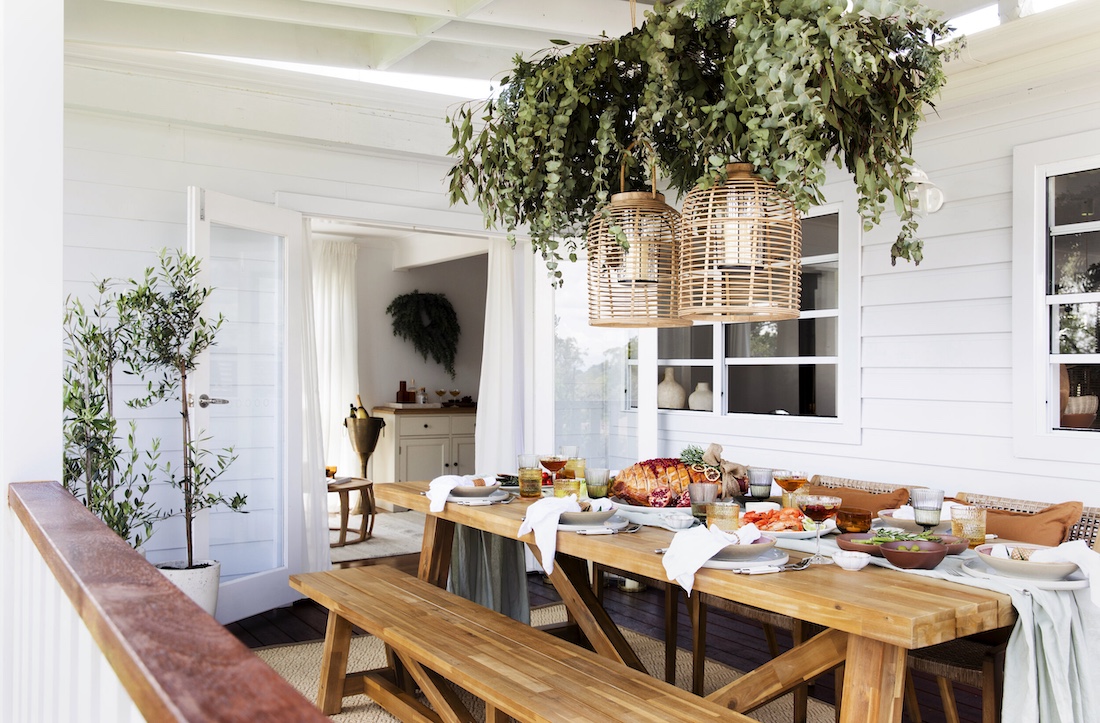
{"points": [[250, 253]]}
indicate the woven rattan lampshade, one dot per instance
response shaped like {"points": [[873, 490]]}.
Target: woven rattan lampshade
{"points": [[635, 287], [740, 251]]}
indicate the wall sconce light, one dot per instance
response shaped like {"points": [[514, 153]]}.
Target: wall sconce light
{"points": [[927, 196]]}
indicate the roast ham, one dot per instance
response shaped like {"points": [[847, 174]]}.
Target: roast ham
{"points": [[655, 483]]}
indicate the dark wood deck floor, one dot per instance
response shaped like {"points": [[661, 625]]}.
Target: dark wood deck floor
{"points": [[731, 640]]}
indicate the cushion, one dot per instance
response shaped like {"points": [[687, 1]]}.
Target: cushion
{"points": [[1046, 527], [873, 501]]}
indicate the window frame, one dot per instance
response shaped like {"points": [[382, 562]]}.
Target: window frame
{"points": [[1034, 361], [846, 426]]}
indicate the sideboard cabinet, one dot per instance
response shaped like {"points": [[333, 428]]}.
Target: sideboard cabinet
{"points": [[422, 444]]}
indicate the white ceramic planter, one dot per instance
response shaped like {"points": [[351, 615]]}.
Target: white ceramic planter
{"points": [[199, 583]]}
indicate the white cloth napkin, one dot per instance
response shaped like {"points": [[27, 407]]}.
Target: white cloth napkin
{"points": [[1076, 551], [905, 512], [439, 489], [542, 518], [689, 549]]}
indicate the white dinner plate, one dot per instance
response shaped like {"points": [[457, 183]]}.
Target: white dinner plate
{"points": [[615, 522], [974, 567], [828, 526], [496, 496], [773, 556]]}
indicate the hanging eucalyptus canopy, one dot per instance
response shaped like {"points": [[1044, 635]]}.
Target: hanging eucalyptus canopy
{"points": [[430, 323], [786, 85]]}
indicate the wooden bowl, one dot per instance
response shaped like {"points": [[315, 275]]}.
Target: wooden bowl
{"points": [[926, 557]]}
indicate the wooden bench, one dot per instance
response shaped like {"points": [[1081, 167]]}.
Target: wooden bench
{"points": [[435, 636]]}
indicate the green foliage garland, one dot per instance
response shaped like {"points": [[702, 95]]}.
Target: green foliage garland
{"points": [[786, 85], [430, 323]]}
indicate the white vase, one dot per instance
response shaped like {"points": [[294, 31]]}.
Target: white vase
{"points": [[702, 399], [199, 583], [670, 395]]}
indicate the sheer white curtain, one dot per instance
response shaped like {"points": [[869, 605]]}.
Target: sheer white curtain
{"points": [[337, 334], [314, 489], [490, 569]]}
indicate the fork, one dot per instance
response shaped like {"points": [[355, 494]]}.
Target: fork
{"points": [[800, 565]]}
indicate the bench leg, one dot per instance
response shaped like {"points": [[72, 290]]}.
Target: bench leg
{"points": [[441, 696], [334, 664]]}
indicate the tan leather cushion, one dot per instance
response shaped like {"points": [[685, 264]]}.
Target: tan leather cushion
{"points": [[1046, 527], [862, 498]]}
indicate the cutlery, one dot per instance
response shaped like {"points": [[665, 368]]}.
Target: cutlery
{"points": [[608, 530]]}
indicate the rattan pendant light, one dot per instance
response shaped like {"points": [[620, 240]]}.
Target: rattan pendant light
{"points": [[740, 251], [634, 287]]}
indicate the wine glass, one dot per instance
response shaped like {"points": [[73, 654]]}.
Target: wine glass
{"points": [[790, 482], [553, 464], [454, 394], [819, 508], [927, 506], [441, 393]]}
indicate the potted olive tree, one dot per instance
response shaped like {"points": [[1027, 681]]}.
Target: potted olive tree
{"points": [[113, 483], [166, 306]]}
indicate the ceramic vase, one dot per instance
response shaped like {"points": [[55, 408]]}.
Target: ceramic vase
{"points": [[702, 399], [670, 395]]}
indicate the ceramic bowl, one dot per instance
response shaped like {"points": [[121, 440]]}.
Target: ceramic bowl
{"points": [[1025, 568], [851, 541], [593, 517], [677, 520], [955, 545], [926, 557], [744, 552], [475, 491], [849, 560]]}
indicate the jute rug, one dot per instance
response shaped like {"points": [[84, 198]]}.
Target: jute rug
{"points": [[300, 664], [395, 533]]}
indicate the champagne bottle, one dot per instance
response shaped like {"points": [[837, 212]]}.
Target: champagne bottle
{"points": [[360, 411]]}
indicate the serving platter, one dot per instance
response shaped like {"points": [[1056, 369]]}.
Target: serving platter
{"points": [[827, 527], [976, 567], [888, 519]]}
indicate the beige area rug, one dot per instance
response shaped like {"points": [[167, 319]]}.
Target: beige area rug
{"points": [[395, 533], [300, 664]]}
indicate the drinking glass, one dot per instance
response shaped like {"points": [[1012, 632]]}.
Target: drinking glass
{"points": [[597, 480], [927, 505], [819, 508], [854, 519], [760, 483], [530, 476], [553, 464], [790, 482], [969, 523], [702, 494], [724, 514], [565, 486]]}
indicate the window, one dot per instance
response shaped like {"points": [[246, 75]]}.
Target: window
{"points": [[769, 367], [1056, 298]]}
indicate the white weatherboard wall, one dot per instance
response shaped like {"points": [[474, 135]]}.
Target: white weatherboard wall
{"points": [[132, 148], [936, 367]]}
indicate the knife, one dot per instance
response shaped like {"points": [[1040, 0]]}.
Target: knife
{"points": [[755, 570]]}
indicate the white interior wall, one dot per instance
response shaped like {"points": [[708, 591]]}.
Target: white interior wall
{"points": [[936, 338]]}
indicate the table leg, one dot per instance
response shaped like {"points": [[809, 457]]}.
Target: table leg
{"points": [[334, 664], [435, 551], [874, 681], [798, 665], [570, 579]]}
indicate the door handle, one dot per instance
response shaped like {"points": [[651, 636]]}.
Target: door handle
{"points": [[206, 400]]}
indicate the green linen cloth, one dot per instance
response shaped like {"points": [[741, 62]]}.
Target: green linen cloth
{"points": [[490, 570]]}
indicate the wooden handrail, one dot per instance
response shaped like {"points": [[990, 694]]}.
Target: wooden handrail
{"points": [[175, 661]]}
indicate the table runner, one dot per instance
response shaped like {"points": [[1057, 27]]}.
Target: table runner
{"points": [[1051, 669]]}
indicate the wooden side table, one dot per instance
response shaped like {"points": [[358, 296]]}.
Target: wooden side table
{"points": [[344, 487]]}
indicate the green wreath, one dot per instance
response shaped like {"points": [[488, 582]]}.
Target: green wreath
{"points": [[430, 323]]}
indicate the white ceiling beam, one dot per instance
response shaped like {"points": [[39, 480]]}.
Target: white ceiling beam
{"points": [[113, 24], [457, 60], [448, 9], [295, 12]]}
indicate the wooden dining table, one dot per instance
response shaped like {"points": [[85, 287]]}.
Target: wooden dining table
{"points": [[871, 617]]}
